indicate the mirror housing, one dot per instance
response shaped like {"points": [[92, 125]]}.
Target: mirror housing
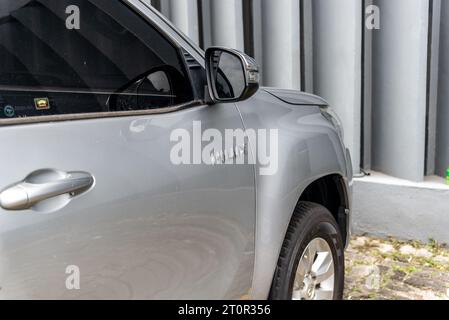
{"points": [[232, 76]]}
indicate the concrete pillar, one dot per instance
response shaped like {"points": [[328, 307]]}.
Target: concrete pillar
{"points": [[337, 33], [433, 75], [307, 45], [226, 21], [165, 7], [156, 4], [184, 15], [258, 37], [281, 43], [207, 24], [367, 52], [442, 147], [400, 88]]}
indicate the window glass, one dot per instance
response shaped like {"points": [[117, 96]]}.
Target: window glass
{"points": [[84, 56]]}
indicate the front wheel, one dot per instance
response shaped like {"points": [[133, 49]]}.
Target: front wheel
{"points": [[311, 264]]}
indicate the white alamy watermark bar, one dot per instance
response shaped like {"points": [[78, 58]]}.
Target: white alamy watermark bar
{"points": [[210, 147]]}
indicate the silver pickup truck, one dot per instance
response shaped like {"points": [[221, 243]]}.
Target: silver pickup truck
{"points": [[136, 166]]}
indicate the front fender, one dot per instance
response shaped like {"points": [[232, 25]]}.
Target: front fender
{"points": [[309, 148]]}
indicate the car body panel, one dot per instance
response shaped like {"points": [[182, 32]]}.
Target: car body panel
{"points": [[309, 149], [147, 230]]}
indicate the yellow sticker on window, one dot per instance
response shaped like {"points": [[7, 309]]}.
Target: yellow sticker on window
{"points": [[42, 103]]}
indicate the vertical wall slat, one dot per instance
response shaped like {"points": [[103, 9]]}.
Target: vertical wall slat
{"points": [[337, 39], [258, 36], [307, 46], [442, 156], [399, 88], [184, 15], [227, 23], [281, 47], [367, 86], [432, 85], [248, 27]]}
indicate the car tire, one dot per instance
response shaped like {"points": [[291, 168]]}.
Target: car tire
{"points": [[313, 231]]}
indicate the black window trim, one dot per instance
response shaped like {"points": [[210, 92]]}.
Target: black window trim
{"points": [[196, 102], [99, 115]]}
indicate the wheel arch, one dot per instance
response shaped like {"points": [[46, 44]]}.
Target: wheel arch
{"points": [[331, 192], [273, 230]]}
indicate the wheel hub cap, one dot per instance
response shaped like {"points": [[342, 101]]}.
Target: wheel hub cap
{"points": [[309, 286], [315, 276]]}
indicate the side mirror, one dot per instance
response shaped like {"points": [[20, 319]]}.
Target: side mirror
{"points": [[231, 75]]}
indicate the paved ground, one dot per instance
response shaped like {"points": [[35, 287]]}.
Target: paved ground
{"points": [[389, 269]]}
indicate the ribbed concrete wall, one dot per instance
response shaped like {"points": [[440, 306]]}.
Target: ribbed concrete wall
{"points": [[389, 86]]}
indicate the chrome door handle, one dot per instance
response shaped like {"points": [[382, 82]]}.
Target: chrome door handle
{"points": [[44, 185]]}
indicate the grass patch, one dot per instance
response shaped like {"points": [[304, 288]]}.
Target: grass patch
{"points": [[406, 270]]}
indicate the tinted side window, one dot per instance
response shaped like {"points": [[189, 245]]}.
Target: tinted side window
{"points": [[114, 61]]}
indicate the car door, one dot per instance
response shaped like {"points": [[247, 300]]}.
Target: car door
{"points": [[103, 194]]}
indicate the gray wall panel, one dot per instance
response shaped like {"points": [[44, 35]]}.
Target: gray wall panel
{"points": [[433, 75], [227, 23], [400, 87], [281, 45], [184, 14], [442, 159], [337, 61]]}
